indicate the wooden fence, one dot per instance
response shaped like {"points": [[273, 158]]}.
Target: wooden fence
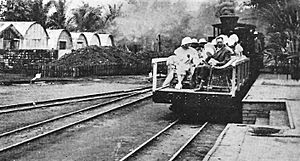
{"points": [[27, 57], [25, 61], [95, 70], [29, 70]]}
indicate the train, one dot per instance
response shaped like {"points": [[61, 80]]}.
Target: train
{"points": [[221, 101]]}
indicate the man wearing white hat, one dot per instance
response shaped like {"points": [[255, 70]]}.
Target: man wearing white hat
{"points": [[202, 71], [222, 55], [258, 48], [202, 43], [187, 57], [171, 63], [234, 45], [202, 51], [216, 57], [194, 43]]}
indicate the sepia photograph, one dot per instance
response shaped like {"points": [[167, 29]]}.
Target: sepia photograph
{"points": [[149, 80]]}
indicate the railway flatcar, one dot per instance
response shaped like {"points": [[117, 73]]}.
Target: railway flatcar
{"points": [[227, 85]]}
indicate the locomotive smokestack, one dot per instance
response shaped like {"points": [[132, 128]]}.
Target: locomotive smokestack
{"points": [[226, 12], [230, 20]]}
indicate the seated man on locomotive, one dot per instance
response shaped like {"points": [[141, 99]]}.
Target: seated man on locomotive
{"points": [[187, 57], [194, 44], [202, 56], [183, 63], [233, 43], [171, 64], [202, 50], [216, 57]]}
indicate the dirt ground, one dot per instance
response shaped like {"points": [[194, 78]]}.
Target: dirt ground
{"points": [[107, 138], [21, 93], [12, 121]]}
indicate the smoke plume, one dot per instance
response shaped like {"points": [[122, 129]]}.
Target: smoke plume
{"points": [[143, 20]]}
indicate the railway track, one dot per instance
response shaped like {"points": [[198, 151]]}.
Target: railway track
{"points": [[17, 137], [62, 101], [167, 144]]}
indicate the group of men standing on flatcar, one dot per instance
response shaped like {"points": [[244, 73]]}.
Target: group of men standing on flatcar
{"points": [[194, 59]]}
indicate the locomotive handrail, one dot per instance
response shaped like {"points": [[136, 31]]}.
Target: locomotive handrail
{"points": [[240, 74], [157, 60], [154, 71], [240, 60], [239, 68]]}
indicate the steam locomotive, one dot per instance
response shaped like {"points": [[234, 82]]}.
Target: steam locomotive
{"points": [[221, 101]]}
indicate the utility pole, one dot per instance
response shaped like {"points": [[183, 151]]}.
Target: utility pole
{"points": [[159, 43]]}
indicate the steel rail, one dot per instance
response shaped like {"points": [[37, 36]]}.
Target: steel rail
{"points": [[129, 155], [148, 141], [67, 114], [70, 98], [74, 123], [187, 143], [62, 103]]}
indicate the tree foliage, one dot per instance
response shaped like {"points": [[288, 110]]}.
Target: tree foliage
{"points": [[83, 18], [58, 19], [282, 16], [25, 10], [86, 18], [113, 12]]}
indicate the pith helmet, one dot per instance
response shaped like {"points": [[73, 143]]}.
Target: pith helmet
{"points": [[194, 40], [202, 41], [231, 41], [186, 40], [234, 37], [225, 38]]}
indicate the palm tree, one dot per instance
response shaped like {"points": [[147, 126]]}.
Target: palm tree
{"points": [[283, 19], [38, 11], [113, 12], [58, 19], [282, 16], [86, 18], [25, 10]]}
